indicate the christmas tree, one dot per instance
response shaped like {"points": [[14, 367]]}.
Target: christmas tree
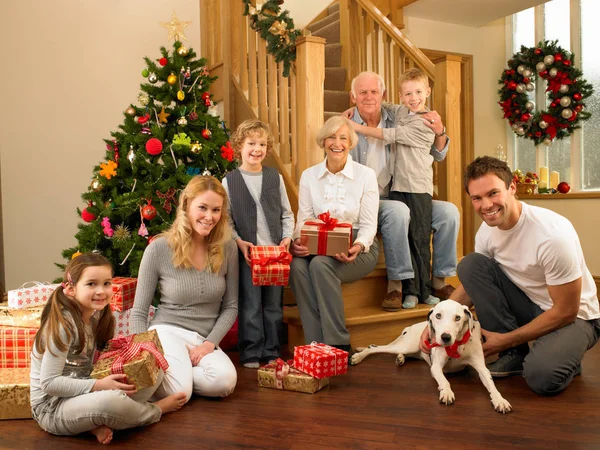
{"points": [[173, 134]]}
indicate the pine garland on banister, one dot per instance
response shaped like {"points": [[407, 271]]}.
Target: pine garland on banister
{"points": [[277, 28]]}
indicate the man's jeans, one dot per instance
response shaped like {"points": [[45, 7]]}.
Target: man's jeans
{"points": [[394, 218]]}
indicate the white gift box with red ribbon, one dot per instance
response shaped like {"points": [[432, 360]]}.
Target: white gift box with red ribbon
{"points": [[31, 296]]}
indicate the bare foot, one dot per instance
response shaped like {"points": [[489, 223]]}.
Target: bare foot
{"points": [[103, 434], [171, 403]]}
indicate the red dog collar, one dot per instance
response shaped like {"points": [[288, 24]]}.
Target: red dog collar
{"points": [[452, 350]]}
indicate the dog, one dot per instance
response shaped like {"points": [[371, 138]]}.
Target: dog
{"points": [[455, 342]]}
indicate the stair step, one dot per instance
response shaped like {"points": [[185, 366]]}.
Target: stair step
{"points": [[336, 101], [333, 55], [335, 78], [331, 32], [333, 8], [323, 22]]}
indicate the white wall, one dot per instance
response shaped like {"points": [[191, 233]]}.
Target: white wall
{"points": [[70, 68], [304, 11]]}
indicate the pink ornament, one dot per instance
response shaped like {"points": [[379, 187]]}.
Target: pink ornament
{"points": [[143, 231]]}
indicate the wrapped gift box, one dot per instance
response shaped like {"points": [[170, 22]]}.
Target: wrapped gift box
{"points": [[320, 360], [293, 380], [15, 346], [26, 318], [122, 321], [327, 237], [14, 394], [123, 293], [270, 265], [139, 356], [32, 296]]}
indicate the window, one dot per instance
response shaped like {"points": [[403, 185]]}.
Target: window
{"points": [[571, 22]]}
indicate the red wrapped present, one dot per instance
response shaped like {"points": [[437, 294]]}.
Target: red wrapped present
{"points": [[123, 293], [320, 360], [328, 237], [30, 296], [15, 346], [270, 265], [122, 321]]}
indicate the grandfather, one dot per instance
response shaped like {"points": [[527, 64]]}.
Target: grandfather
{"points": [[367, 93]]}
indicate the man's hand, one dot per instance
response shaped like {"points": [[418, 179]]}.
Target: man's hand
{"points": [[424, 337], [200, 351], [352, 254], [244, 247], [349, 113], [433, 121], [285, 242], [494, 342], [298, 249]]}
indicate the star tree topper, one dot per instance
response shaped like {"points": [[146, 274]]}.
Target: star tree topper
{"points": [[175, 27]]}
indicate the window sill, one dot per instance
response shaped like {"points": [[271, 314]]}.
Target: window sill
{"points": [[559, 196]]}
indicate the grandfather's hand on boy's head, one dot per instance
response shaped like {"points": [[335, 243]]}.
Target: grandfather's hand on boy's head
{"points": [[349, 113], [297, 249], [433, 121]]}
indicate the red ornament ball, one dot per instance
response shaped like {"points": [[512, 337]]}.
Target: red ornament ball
{"points": [[578, 108], [558, 57], [205, 95], [154, 146], [577, 96], [163, 61], [525, 117], [87, 216], [151, 238], [148, 212], [206, 133], [538, 51], [512, 85], [193, 116], [567, 62], [563, 187]]}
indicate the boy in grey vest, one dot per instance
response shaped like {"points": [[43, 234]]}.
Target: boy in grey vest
{"points": [[260, 214]]}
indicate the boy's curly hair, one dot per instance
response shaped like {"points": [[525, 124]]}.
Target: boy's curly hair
{"points": [[247, 128]]}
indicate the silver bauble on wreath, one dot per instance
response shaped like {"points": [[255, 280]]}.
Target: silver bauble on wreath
{"points": [[520, 131], [514, 127], [521, 68], [529, 106], [548, 60], [543, 124], [565, 101], [521, 88], [152, 78], [527, 73], [530, 87], [540, 66], [566, 113], [563, 89], [547, 142], [552, 72]]}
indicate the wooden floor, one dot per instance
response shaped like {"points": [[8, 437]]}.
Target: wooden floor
{"points": [[375, 405]]}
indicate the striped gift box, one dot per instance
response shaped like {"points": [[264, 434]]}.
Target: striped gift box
{"points": [[15, 346], [123, 293], [270, 265]]}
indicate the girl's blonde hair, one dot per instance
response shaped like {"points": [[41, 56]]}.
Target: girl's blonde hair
{"points": [[53, 314], [179, 236], [247, 128]]}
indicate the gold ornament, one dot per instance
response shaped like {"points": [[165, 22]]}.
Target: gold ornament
{"points": [[172, 79], [196, 147], [76, 254], [96, 186], [121, 233], [163, 116], [175, 27], [144, 99], [279, 29], [180, 95], [130, 111], [182, 51]]}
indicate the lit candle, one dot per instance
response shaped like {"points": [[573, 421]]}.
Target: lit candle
{"points": [[543, 183], [554, 179]]}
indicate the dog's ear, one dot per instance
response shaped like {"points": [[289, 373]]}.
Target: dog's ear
{"points": [[469, 318], [430, 325]]}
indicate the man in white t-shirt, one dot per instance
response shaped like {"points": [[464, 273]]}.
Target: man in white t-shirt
{"points": [[528, 282]]}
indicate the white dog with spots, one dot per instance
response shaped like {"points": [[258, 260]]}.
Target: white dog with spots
{"points": [[455, 342]]}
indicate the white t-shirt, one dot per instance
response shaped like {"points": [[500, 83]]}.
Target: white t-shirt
{"points": [[541, 250], [377, 157]]}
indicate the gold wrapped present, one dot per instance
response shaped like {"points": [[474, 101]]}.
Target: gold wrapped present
{"points": [[139, 356], [14, 394], [24, 318], [280, 375]]}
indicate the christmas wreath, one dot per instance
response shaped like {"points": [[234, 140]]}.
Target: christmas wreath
{"points": [[566, 91], [277, 28]]}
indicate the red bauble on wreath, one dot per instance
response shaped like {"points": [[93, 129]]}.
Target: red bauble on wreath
{"points": [[149, 211], [154, 146], [566, 91], [87, 216]]}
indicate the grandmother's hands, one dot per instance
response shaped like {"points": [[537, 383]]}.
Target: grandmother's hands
{"points": [[297, 249], [353, 252]]}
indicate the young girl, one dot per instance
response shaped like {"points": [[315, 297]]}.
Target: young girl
{"points": [[76, 321], [260, 215], [196, 267]]}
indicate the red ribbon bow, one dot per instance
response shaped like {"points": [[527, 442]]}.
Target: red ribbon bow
{"points": [[328, 223], [169, 197], [282, 368], [125, 350], [452, 350], [282, 258]]}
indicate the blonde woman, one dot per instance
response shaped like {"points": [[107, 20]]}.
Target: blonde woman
{"points": [[195, 264]]}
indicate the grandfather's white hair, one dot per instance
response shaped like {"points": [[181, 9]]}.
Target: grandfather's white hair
{"points": [[370, 74]]}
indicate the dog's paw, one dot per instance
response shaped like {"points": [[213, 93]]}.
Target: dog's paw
{"points": [[501, 405], [446, 396], [400, 360], [357, 358]]}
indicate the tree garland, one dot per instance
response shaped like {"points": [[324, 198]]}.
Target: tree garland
{"points": [[566, 91], [277, 28]]}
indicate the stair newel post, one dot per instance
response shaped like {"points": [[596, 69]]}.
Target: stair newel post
{"points": [[310, 76], [345, 40]]}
